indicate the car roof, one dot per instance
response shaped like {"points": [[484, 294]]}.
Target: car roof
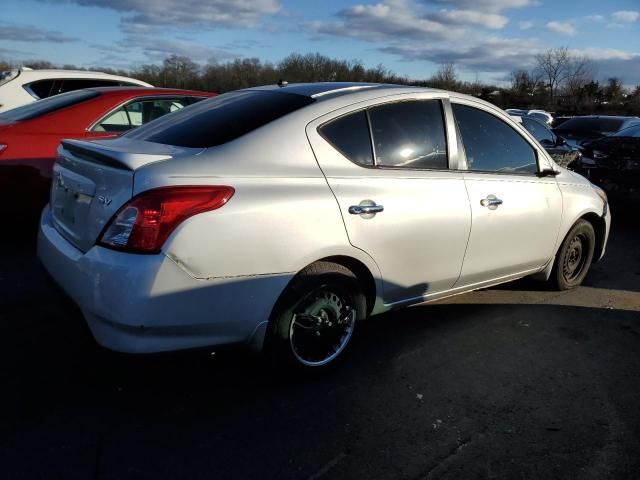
{"points": [[30, 75], [325, 90], [611, 117]]}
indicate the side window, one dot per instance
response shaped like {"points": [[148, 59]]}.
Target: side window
{"points": [[138, 113], [41, 88], [491, 145], [409, 134], [117, 122], [539, 131], [350, 136]]}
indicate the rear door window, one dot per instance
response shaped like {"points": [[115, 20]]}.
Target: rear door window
{"points": [[221, 119], [409, 134], [491, 145], [350, 136]]}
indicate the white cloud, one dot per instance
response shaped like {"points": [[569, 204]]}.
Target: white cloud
{"points": [[471, 17], [180, 13], [526, 25], [385, 21], [489, 5], [594, 18], [30, 33], [602, 53], [493, 54], [625, 16], [564, 28]]}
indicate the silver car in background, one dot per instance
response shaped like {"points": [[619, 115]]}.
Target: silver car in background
{"points": [[277, 217]]}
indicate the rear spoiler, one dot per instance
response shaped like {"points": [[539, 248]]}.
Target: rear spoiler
{"points": [[108, 156]]}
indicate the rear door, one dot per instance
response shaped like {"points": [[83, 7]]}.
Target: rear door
{"points": [[516, 214], [388, 166]]}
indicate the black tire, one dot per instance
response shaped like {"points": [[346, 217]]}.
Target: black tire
{"points": [[574, 257], [320, 306]]}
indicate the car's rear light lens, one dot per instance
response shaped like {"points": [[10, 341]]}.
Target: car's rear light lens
{"points": [[144, 223]]}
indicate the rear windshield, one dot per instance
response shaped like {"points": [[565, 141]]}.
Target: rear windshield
{"points": [[592, 124], [220, 119], [48, 105]]}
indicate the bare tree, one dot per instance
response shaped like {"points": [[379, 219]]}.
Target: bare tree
{"points": [[553, 65], [580, 73], [446, 77]]}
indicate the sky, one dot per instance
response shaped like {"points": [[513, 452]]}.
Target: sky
{"points": [[485, 39]]}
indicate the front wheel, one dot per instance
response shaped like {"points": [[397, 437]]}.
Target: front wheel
{"points": [[574, 256], [313, 323]]}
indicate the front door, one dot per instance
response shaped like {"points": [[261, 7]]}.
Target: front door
{"points": [[516, 213]]}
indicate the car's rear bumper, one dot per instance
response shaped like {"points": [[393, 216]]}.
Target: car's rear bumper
{"points": [[147, 303]]}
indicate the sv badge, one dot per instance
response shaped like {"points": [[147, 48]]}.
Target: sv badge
{"points": [[106, 201]]}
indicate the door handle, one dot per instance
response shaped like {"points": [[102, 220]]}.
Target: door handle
{"points": [[492, 202], [365, 209]]}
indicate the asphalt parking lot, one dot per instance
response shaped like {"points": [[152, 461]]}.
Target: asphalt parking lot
{"points": [[511, 382]]}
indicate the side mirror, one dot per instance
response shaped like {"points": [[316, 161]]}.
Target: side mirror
{"points": [[546, 143]]}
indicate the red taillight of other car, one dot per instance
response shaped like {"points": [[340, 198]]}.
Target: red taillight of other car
{"points": [[144, 223]]}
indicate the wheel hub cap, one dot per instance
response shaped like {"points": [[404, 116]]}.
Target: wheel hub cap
{"points": [[321, 327]]}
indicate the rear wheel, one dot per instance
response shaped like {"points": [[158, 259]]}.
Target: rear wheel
{"points": [[574, 257], [313, 323]]}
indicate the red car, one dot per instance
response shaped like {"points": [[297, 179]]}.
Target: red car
{"points": [[29, 135]]}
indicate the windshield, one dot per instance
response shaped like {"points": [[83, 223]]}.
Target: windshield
{"points": [[48, 105], [602, 125], [221, 119]]}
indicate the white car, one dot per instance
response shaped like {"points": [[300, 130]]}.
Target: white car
{"points": [[276, 217], [22, 86]]}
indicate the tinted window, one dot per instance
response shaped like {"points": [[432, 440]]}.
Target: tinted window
{"points": [[48, 105], [409, 134], [68, 85], [539, 131], [602, 125], [350, 135], [491, 145], [138, 113], [221, 119], [41, 88]]}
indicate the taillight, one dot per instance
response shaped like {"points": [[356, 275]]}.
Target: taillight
{"points": [[143, 224]]}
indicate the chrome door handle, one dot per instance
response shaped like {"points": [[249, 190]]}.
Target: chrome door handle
{"points": [[491, 202], [364, 209]]}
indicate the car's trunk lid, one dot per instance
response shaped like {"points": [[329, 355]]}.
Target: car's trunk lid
{"points": [[92, 180]]}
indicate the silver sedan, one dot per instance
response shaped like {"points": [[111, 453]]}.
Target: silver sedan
{"points": [[277, 217]]}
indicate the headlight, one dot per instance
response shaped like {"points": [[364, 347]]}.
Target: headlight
{"points": [[598, 154]]}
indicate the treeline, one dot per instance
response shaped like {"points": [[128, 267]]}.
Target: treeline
{"points": [[559, 82]]}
